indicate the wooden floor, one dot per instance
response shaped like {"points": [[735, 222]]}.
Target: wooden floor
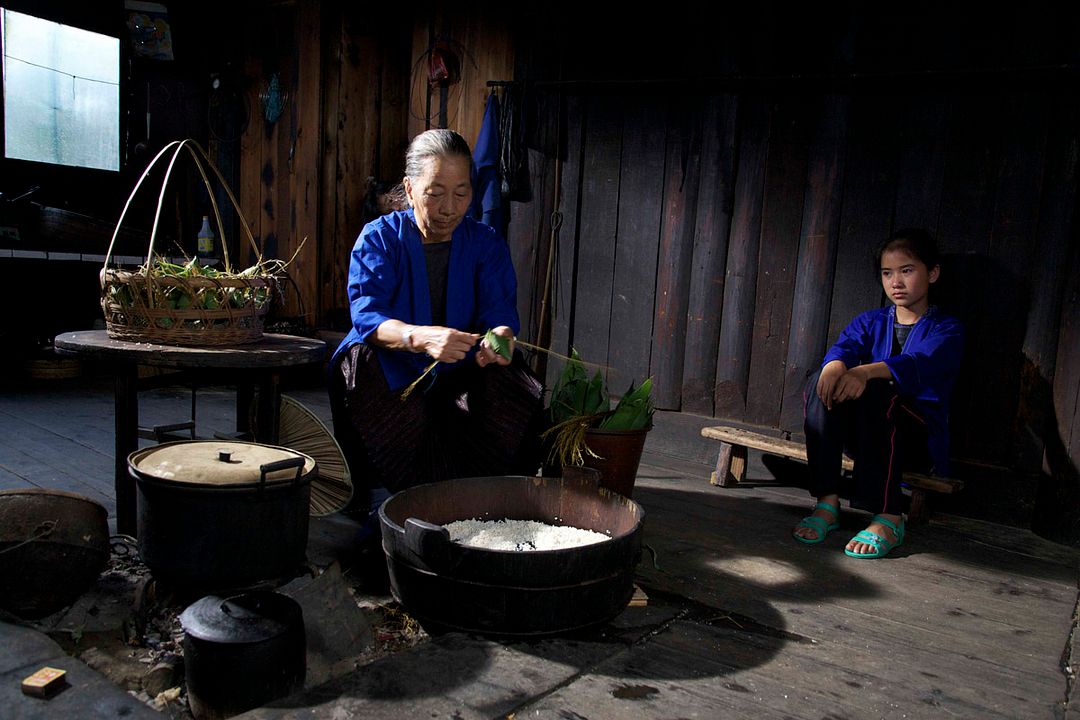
{"points": [[966, 619]]}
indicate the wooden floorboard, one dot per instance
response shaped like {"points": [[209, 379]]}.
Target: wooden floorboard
{"points": [[742, 674], [943, 605], [966, 619]]}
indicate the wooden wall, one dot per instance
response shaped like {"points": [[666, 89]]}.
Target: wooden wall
{"points": [[481, 38], [717, 233], [356, 78], [281, 160], [720, 244], [365, 118], [706, 196]]}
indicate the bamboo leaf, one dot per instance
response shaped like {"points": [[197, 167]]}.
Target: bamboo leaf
{"points": [[596, 398], [634, 410], [499, 344]]}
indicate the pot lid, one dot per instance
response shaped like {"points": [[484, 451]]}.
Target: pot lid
{"points": [[250, 617], [211, 462]]}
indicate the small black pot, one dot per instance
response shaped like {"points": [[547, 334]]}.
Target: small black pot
{"points": [[242, 652]]}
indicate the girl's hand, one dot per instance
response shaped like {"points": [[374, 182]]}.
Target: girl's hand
{"points": [[827, 381], [442, 343], [850, 386], [486, 356]]}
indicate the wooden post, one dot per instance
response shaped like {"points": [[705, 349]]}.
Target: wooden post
{"points": [[817, 257], [716, 198], [642, 179], [676, 248], [733, 348]]}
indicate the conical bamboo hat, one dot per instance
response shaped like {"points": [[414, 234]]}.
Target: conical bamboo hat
{"points": [[301, 430]]}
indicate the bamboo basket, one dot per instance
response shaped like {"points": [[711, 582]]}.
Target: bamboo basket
{"points": [[143, 306]]}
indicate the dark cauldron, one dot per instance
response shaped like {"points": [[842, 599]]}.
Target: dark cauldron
{"points": [[53, 546], [448, 586], [222, 515]]}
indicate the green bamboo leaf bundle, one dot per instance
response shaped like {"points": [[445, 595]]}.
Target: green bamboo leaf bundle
{"points": [[575, 395], [634, 410]]}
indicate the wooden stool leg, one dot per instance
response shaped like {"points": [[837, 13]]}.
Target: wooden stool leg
{"points": [[738, 464], [723, 466], [730, 465], [919, 511]]}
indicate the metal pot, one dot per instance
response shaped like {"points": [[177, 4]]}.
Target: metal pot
{"points": [[53, 546], [446, 585], [241, 652], [214, 516]]}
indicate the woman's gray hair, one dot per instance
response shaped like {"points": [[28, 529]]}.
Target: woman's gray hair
{"points": [[432, 144]]}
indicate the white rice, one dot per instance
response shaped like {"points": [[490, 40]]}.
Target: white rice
{"points": [[521, 535]]}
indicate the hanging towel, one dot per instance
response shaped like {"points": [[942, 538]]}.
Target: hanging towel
{"points": [[487, 191]]}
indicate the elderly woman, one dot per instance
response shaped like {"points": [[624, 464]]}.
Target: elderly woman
{"points": [[425, 284]]}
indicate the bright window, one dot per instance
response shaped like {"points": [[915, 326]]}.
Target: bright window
{"points": [[61, 93]]}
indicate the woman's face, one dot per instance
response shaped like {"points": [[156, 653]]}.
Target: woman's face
{"points": [[906, 280], [440, 197]]}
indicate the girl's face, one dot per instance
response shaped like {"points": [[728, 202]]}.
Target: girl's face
{"points": [[440, 197], [906, 280]]}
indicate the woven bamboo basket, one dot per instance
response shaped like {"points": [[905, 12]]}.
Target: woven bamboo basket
{"points": [[199, 310]]}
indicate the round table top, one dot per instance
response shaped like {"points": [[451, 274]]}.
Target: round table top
{"points": [[272, 351]]}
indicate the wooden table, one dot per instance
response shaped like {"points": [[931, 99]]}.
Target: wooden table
{"points": [[251, 367]]}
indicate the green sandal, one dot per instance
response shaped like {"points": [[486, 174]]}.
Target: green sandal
{"points": [[880, 544], [818, 524]]}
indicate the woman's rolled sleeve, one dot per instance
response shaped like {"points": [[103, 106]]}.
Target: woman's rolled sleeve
{"points": [[372, 281]]}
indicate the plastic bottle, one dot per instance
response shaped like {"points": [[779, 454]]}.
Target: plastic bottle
{"points": [[206, 238]]}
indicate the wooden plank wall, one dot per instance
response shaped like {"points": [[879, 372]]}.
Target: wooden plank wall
{"points": [[714, 237], [736, 233], [364, 129], [483, 44], [357, 92], [279, 183]]}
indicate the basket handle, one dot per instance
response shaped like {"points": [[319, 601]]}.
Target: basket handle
{"points": [[200, 157]]}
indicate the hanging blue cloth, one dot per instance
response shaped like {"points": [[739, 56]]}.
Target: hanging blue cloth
{"points": [[487, 191]]}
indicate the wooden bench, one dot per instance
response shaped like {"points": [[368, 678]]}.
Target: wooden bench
{"points": [[731, 465]]}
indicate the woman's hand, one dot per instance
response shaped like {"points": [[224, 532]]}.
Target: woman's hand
{"points": [[486, 356], [442, 343]]}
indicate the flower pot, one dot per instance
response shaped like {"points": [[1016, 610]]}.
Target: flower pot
{"points": [[619, 456]]}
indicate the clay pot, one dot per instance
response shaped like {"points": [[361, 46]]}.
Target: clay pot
{"points": [[620, 455]]}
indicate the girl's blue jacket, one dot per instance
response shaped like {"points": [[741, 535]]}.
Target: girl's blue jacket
{"points": [[925, 370]]}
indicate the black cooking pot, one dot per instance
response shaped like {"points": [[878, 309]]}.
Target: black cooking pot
{"points": [[53, 546], [446, 585], [214, 516], [241, 652]]}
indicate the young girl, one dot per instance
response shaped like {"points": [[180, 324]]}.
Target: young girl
{"points": [[882, 395]]}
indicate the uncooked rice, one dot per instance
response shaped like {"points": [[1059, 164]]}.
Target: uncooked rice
{"points": [[521, 535]]}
